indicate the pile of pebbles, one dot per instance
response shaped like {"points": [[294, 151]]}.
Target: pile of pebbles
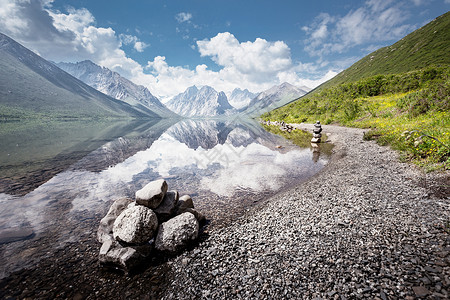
{"points": [[157, 219], [364, 227]]}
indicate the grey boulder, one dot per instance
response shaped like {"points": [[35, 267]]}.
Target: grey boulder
{"points": [[125, 258], [168, 206], [185, 204], [105, 228], [135, 225], [152, 194], [177, 233]]}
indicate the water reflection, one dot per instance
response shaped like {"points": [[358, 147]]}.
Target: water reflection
{"points": [[224, 165], [33, 152]]}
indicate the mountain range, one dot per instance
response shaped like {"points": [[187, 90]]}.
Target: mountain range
{"points": [[272, 98], [32, 87], [116, 86], [240, 98], [204, 102]]}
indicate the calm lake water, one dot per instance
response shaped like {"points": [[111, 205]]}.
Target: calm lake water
{"points": [[58, 179]]}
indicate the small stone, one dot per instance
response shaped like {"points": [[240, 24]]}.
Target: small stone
{"points": [[430, 269], [168, 206], [420, 291], [185, 201], [425, 280], [152, 194]]}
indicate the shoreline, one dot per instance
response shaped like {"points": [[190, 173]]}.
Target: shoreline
{"points": [[366, 226]]}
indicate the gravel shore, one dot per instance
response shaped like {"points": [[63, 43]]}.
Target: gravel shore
{"points": [[367, 226]]}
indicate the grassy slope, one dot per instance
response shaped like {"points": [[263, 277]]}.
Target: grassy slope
{"points": [[406, 107], [428, 45]]}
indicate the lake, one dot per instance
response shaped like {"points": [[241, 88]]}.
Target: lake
{"points": [[58, 179]]}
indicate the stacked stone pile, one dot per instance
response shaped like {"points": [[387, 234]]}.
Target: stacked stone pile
{"points": [[317, 133], [157, 218]]}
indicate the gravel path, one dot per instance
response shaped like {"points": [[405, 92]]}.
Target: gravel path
{"points": [[367, 226]]}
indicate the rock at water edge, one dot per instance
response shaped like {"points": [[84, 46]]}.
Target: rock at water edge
{"points": [[152, 194], [176, 233], [135, 225], [125, 258], [185, 202], [168, 206], [105, 228]]}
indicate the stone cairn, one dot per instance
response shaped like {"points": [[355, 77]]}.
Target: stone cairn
{"points": [[157, 218], [317, 135]]}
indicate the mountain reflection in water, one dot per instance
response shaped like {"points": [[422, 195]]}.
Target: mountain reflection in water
{"points": [[224, 165]]}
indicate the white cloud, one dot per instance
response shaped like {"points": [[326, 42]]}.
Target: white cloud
{"points": [[248, 58], [256, 66], [183, 17], [376, 21], [138, 45], [73, 36]]}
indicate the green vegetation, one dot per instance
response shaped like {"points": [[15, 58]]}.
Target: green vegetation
{"points": [[409, 111], [401, 92], [420, 49], [300, 138]]}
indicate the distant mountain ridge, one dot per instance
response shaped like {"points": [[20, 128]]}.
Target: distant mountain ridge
{"points": [[116, 86], [204, 102], [32, 87], [240, 98], [272, 98]]}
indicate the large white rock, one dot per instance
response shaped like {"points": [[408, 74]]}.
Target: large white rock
{"points": [[135, 225], [105, 228], [152, 194], [168, 206], [176, 233]]}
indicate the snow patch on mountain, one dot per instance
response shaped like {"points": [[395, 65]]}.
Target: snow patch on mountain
{"points": [[240, 98], [114, 85], [272, 98], [204, 102]]}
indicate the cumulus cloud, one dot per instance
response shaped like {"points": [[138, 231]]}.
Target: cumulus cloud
{"points": [[376, 21], [138, 45], [257, 58], [256, 65], [183, 17], [73, 36]]}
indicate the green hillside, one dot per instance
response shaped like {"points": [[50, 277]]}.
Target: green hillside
{"points": [[428, 45], [31, 87], [401, 92]]}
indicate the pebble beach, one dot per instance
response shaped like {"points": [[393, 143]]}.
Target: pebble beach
{"points": [[366, 227]]}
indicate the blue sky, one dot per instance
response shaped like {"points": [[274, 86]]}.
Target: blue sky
{"points": [[168, 46]]}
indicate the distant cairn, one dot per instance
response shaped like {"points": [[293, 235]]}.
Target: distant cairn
{"points": [[317, 133]]}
